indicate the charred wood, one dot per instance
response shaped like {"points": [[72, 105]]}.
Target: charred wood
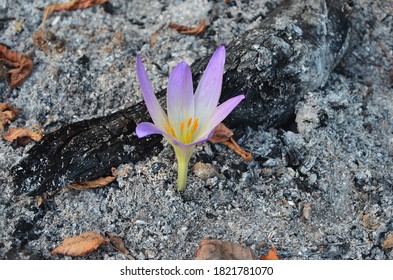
{"points": [[292, 52]]}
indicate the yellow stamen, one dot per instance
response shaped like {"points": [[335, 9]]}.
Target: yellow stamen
{"points": [[194, 126], [189, 122], [188, 139], [181, 126], [173, 132]]}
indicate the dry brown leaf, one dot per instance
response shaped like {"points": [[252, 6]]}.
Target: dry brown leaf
{"points": [[271, 255], [4, 75], [117, 243], [8, 113], [320, 249], [118, 37], [48, 40], [153, 39], [222, 250], [306, 212], [199, 29], [39, 40], [80, 245], [388, 242], [23, 135], [21, 64], [70, 6], [370, 221], [223, 135], [96, 183], [41, 200]]}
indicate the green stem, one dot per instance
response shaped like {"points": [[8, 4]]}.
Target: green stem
{"points": [[182, 171], [183, 155]]}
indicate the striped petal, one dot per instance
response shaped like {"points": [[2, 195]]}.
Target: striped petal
{"points": [[209, 89], [180, 98], [156, 112]]}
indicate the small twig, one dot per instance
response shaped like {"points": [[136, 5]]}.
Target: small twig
{"points": [[199, 29], [70, 6]]}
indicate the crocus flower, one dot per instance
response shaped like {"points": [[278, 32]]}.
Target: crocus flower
{"points": [[191, 117]]}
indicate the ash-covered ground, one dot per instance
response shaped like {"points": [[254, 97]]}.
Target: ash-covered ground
{"points": [[319, 188]]}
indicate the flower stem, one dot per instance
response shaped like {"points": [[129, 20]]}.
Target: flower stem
{"points": [[183, 155], [182, 171]]}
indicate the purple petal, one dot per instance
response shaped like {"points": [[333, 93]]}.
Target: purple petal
{"points": [[156, 112], [209, 89], [219, 115], [146, 128], [180, 98]]}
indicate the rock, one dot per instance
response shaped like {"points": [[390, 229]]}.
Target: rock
{"points": [[204, 170]]}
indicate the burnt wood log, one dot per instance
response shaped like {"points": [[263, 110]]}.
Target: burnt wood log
{"points": [[292, 52]]}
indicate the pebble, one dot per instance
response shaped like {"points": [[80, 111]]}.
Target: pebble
{"points": [[204, 170]]}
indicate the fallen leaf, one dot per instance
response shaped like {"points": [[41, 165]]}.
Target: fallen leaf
{"points": [[306, 212], [47, 40], [321, 249], [271, 255], [222, 250], [96, 183], [153, 39], [388, 242], [21, 64], [199, 29], [4, 75], [117, 243], [261, 245], [70, 6], [8, 113], [80, 245], [223, 135], [40, 40], [23, 135], [41, 200]]}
